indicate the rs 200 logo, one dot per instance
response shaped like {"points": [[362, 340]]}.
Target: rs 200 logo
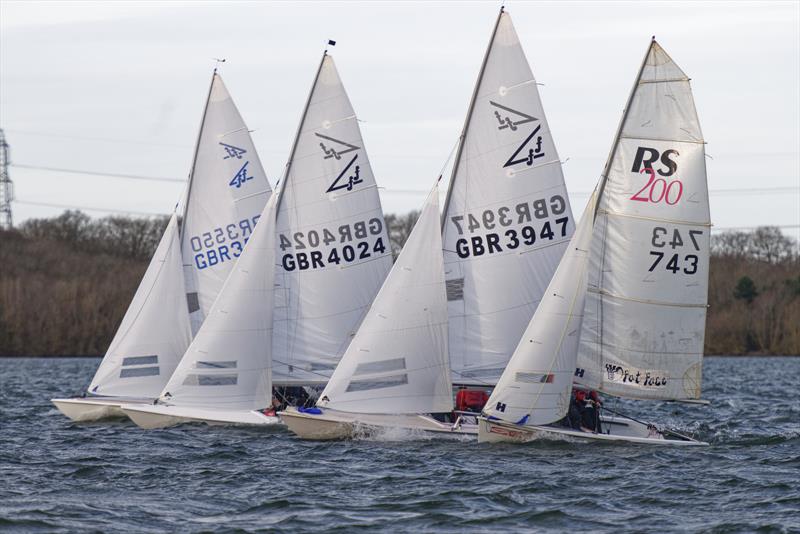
{"points": [[650, 161]]}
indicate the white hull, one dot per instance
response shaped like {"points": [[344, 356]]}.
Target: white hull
{"points": [[619, 429], [334, 424], [149, 416], [88, 409]]}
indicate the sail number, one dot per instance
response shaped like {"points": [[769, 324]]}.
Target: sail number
{"points": [[677, 262], [512, 227], [317, 249], [222, 244]]}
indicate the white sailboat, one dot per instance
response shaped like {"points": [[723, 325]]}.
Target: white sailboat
{"points": [[299, 289], [226, 192], [506, 223], [396, 367], [634, 325]]}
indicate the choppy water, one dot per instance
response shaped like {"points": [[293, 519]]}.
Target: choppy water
{"points": [[56, 476]]}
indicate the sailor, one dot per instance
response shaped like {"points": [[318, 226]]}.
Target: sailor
{"points": [[577, 406], [591, 412]]}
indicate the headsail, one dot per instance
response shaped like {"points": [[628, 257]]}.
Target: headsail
{"points": [[535, 387], [227, 191], [644, 321], [227, 366], [398, 362], [332, 245], [155, 331]]}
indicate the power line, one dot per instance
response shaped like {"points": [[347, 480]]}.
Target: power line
{"points": [[729, 191], [97, 173], [88, 208]]}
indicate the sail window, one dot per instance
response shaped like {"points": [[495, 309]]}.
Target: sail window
{"points": [[535, 378], [377, 383], [133, 372], [193, 302], [383, 366], [139, 360], [211, 380], [455, 289], [216, 365]]}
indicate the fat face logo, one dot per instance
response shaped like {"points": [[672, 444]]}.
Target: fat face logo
{"points": [[346, 179], [646, 157], [335, 151], [507, 121]]}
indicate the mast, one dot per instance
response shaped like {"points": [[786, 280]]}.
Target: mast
{"points": [[299, 130], [194, 158], [463, 137], [604, 176]]}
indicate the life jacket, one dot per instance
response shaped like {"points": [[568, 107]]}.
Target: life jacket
{"points": [[471, 400]]}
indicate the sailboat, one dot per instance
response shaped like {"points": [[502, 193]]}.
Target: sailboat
{"points": [[505, 224], [226, 193], [625, 312], [301, 286]]}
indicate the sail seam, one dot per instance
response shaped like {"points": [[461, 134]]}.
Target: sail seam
{"points": [[638, 138], [655, 219], [668, 80], [646, 301]]}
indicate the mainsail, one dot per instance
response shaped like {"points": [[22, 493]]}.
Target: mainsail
{"points": [[644, 320], [227, 191], [227, 365], [535, 387], [154, 332], [507, 219], [332, 244], [398, 362]]}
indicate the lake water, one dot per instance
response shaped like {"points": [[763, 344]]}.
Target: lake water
{"points": [[56, 476]]}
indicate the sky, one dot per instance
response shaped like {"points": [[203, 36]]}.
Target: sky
{"points": [[119, 88]]}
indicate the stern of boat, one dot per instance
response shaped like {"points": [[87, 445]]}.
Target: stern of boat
{"points": [[497, 432]]}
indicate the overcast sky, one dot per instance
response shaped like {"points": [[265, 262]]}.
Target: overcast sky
{"points": [[119, 88]]}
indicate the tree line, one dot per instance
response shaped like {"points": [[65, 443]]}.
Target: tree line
{"points": [[66, 281]]}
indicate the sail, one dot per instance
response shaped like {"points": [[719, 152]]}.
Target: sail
{"points": [[227, 191], [644, 321], [507, 219], [398, 362], [535, 387], [154, 332], [227, 365], [333, 249]]}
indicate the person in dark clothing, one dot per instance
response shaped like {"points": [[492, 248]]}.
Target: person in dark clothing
{"points": [[577, 405], [591, 413]]}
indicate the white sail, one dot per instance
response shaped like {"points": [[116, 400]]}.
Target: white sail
{"points": [[154, 332], [227, 191], [535, 387], [644, 320], [507, 218], [227, 365], [332, 245], [398, 362]]}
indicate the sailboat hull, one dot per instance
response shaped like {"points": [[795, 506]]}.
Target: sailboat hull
{"points": [[160, 416], [334, 425], [90, 409], [619, 430]]}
